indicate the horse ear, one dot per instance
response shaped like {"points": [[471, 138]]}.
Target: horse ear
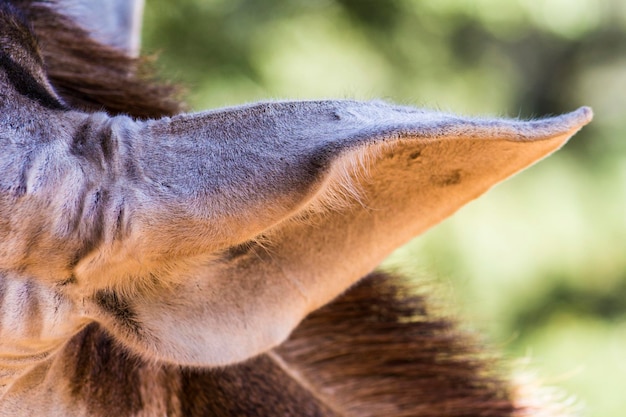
{"points": [[248, 219], [116, 23]]}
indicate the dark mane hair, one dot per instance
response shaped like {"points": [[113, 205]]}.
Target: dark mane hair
{"points": [[91, 76], [383, 350]]}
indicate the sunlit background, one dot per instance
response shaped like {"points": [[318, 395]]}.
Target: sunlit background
{"points": [[538, 264]]}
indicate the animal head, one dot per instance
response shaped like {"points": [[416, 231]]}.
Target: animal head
{"points": [[204, 239]]}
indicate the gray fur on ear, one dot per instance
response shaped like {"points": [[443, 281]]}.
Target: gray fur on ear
{"points": [[223, 229]]}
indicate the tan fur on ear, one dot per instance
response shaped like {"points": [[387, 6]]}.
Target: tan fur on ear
{"points": [[410, 187]]}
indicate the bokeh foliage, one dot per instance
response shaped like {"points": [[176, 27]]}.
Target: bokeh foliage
{"points": [[539, 263]]}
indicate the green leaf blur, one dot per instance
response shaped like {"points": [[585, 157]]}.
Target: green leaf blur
{"points": [[539, 263]]}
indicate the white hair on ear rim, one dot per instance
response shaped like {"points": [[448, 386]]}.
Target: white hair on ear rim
{"points": [[344, 184]]}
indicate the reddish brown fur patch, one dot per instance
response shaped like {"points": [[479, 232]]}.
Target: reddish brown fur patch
{"points": [[114, 383], [256, 388], [101, 375], [379, 351]]}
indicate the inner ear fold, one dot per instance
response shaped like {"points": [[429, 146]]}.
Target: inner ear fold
{"points": [[277, 249]]}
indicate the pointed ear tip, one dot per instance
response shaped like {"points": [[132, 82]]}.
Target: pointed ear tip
{"points": [[569, 123], [582, 116]]}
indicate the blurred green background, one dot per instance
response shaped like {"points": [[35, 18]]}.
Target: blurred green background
{"points": [[538, 264]]}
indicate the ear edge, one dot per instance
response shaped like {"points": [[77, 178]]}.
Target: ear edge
{"points": [[277, 275]]}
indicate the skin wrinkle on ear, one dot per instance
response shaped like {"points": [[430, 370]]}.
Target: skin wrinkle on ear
{"points": [[299, 288]]}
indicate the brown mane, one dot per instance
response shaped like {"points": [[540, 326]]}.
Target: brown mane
{"points": [[91, 76]]}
